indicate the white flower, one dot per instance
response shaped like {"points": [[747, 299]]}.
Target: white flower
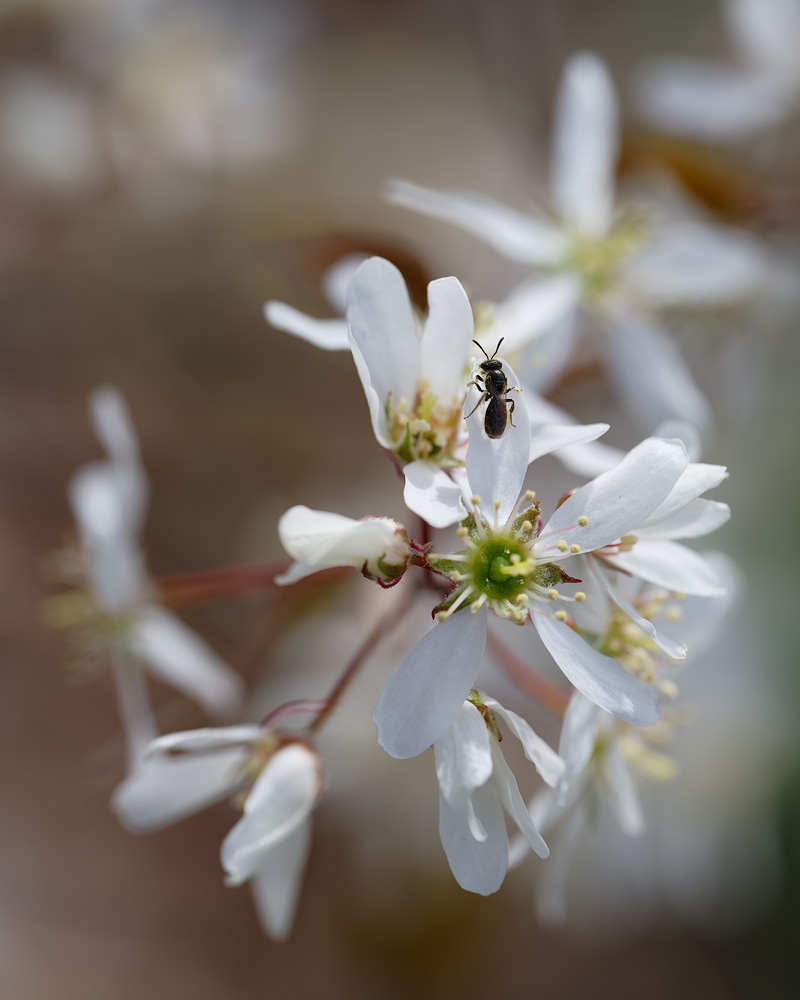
{"points": [[608, 262], [269, 845], [378, 546], [109, 500], [730, 102], [513, 566], [476, 785]]}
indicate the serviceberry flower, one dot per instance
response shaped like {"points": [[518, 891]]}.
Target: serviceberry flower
{"points": [[621, 264], [476, 785], [377, 546], [513, 566], [275, 780], [730, 102], [115, 611]]}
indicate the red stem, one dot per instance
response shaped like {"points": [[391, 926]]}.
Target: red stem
{"points": [[228, 581]]}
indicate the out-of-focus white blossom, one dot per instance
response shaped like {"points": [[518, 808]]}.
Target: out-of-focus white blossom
{"points": [[728, 102], [620, 264]]}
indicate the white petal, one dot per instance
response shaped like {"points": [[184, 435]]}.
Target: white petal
{"points": [[163, 790], [673, 648], [112, 424], [583, 167], [478, 865], [692, 264], [108, 500], [205, 740], [426, 691], [671, 565], [547, 762], [767, 33], [618, 500], [697, 478], [319, 540], [518, 237], [651, 376], [277, 883], [601, 679], [547, 438], [578, 735], [384, 330], [463, 756], [694, 520], [178, 656], [508, 791], [496, 467], [551, 899], [432, 494], [278, 805], [587, 458], [704, 618], [623, 797], [705, 100], [329, 334], [536, 308], [336, 279], [446, 339]]}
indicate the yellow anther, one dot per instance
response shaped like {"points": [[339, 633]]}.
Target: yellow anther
{"points": [[627, 542], [552, 594], [562, 546], [526, 526], [474, 499], [574, 548], [674, 614], [455, 576], [583, 520], [580, 597], [515, 558], [669, 689], [462, 532], [442, 616], [561, 616], [530, 495], [523, 599], [497, 505]]}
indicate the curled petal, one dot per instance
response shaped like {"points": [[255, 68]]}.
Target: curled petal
{"points": [[503, 779], [478, 865], [319, 540], [276, 885], [463, 757], [547, 762], [601, 679], [277, 807], [205, 740], [697, 518], [578, 736], [427, 690], [696, 479]]}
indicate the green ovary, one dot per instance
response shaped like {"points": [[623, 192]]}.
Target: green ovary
{"points": [[499, 569]]}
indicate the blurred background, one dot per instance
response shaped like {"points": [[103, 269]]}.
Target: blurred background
{"points": [[166, 167]]}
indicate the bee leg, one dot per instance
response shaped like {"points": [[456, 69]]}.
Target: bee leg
{"points": [[511, 404], [484, 399]]}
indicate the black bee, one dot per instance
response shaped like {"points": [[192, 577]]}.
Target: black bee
{"points": [[494, 386]]}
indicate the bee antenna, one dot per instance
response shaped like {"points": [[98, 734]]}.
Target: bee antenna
{"points": [[475, 342], [499, 342]]}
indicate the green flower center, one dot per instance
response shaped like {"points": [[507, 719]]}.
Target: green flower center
{"points": [[499, 568]]}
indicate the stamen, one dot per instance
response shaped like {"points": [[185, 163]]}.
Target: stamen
{"points": [[574, 548], [583, 520], [530, 495], [580, 597], [561, 616], [553, 594], [562, 546]]}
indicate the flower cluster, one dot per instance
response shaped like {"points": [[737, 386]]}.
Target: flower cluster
{"points": [[601, 580]]}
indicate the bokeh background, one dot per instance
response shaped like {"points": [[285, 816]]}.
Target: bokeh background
{"points": [[165, 167]]}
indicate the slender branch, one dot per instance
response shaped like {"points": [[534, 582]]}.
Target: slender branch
{"points": [[378, 633], [300, 706], [554, 698], [228, 581]]}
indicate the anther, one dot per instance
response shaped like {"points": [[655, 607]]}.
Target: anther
{"points": [[526, 526], [561, 616], [583, 520], [474, 499], [462, 532], [580, 597], [574, 548], [562, 546], [552, 594], [497, 505], [530, 495]]}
